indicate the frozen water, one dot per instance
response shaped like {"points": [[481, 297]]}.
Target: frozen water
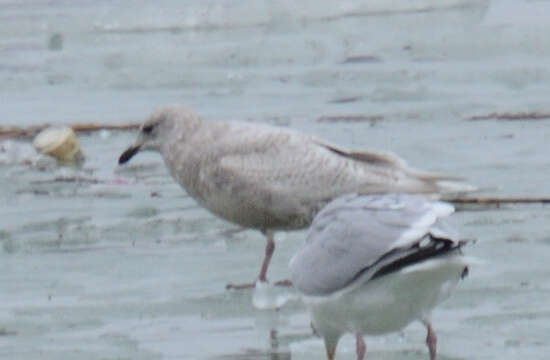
{"points": [[268, 296], [122, 264]]}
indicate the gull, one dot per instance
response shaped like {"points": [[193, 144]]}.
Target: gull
{"points": [[372, 264], [268, 178]]}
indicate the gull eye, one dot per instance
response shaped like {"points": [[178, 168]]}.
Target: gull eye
{"points": [[147, 129]]}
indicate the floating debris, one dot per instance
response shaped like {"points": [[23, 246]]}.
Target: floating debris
{"points": [[55, 42], [14, 132], [498, 201], [6, 332], [17, 132], [99, 127], [511, 116], [361, 59], [60, 143], [350, 118], [69, 179], [344, 100], [34, 192]]}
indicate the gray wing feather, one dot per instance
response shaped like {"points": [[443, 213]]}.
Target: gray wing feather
{"points": [[354, 232]]}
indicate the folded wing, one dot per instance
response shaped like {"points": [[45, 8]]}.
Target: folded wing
{"points": [[377, 234]]}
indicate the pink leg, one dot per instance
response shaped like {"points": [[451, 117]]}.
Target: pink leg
{"points": [[431, 340], [269, 250], [360, 346], [262, 276]]}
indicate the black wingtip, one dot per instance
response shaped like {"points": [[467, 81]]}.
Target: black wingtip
{"points": [[128, 154]]}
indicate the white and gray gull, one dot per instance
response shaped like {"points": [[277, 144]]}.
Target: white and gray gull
{"points": [[266, 177], [372, 264]]}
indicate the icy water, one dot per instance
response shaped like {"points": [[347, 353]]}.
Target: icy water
{"points": [[124, 265]]}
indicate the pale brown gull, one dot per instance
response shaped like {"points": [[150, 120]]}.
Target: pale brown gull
{"points": [[269, 178]]}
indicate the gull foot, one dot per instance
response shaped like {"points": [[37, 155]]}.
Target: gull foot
{"points": [[240, 286], [284, 283]]}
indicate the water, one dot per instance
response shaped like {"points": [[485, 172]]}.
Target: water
{"points": [[128, 267]]}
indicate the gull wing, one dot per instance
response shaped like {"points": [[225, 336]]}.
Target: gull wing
{"points": [[300, 167], [354, 233]]}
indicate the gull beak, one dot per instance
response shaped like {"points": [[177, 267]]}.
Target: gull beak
{"points": [[128, 154]]}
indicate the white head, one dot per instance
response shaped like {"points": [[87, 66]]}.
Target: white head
{"points": [[157, 129]]}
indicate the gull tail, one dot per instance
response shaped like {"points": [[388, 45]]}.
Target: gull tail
{"points": [[445, 184]]}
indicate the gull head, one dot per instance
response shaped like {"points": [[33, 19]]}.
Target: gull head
{"points": [[162, 125]]}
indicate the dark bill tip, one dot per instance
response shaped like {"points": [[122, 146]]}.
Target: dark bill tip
{"points": [[128, 154]]}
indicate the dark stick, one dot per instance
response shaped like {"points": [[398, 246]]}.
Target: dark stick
{"points": [[511, 116], [14, 132], [497, 201]]}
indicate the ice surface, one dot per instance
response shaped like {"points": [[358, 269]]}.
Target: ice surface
{"points": [[122, 264]]}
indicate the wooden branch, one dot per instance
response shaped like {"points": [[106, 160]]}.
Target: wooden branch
{"points": [[69, 179], [95, 127], [350, 118], [17, 132], [499, 201], [511, 116]]}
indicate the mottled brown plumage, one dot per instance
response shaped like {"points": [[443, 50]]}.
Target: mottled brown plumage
{"points": [[265, 177]]}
